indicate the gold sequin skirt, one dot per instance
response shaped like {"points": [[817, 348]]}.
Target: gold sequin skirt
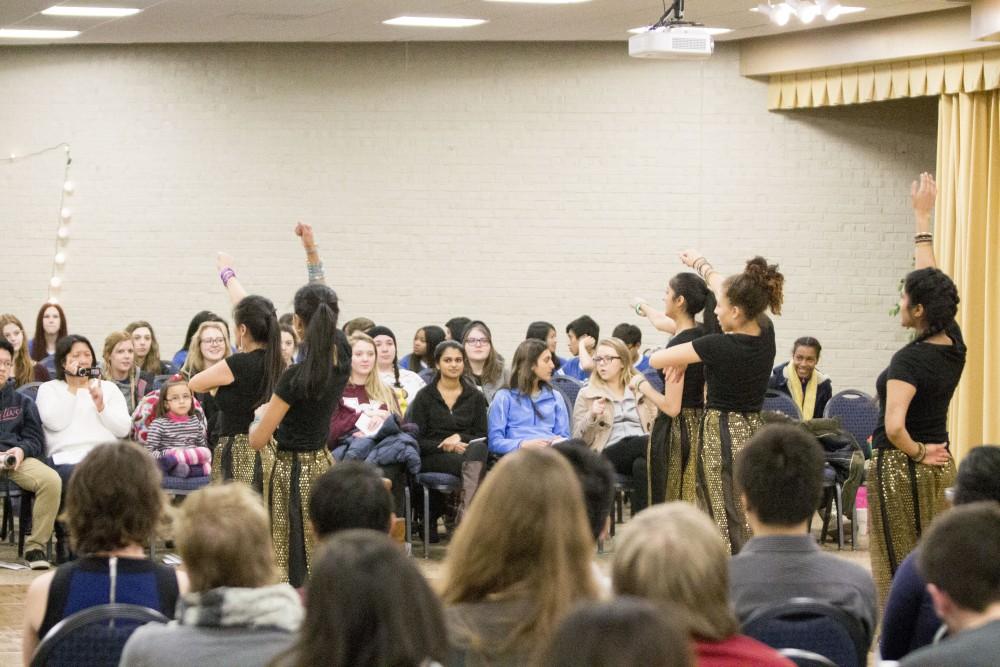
{"points": [[723, 436], [903, 498], [234, 459], [673, 456], [288, 483]]}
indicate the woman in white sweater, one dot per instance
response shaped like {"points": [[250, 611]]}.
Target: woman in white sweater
{"points": [[79, 412]]}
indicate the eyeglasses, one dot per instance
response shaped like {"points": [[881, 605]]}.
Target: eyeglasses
{"points": [[477, 341], [605, 360], [176, 399], [213, 341], [6, 364]]}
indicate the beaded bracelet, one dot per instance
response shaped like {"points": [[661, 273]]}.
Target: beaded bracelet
{"points": [[227, 275]]}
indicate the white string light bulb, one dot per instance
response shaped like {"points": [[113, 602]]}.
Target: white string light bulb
{"points": [[69, 187], [60, 258], [56, 282], [63, 232], [65, 213]]}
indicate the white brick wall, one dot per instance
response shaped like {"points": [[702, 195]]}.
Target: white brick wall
{"points": [[510, 182]]}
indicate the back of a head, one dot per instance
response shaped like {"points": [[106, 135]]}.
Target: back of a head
{"points": [[585, 325], [358, 324], [979, 476], [627, 333], [114, 498], [624, 632], [759, 287], [781, 472], [960, 554], [673, 554], [526, 528], [223, 536], [368, 605], [350, 495], [539, 330], [597, 479], [457, 326]]}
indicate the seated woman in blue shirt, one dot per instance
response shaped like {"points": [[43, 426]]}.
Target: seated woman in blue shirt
{"points": [[530, 413]]}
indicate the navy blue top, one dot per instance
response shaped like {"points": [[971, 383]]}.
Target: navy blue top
{"points": [[86, 582], [909, 621]]}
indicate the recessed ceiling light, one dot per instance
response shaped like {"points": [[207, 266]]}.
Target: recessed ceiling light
{"points": [[707, 31], [108, 12], [433, 22], [26, 33]]}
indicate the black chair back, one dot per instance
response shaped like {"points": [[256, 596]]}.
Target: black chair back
{"points": [[29, 389], [94, 636], [568, 387], [776, 401], [806, 658], [811, 625]]}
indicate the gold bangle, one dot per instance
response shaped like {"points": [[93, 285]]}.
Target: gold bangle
{"points": [[921, 452]]}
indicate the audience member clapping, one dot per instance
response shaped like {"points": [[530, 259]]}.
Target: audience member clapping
{"points": [[235, 613], [673, 554], [519, 561]]}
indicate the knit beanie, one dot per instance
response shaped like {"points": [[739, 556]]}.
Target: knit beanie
{"points": [[381, 331]]}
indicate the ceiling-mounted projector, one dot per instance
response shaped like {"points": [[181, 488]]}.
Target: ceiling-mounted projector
{"points": [[673, 43], [672, 38]]}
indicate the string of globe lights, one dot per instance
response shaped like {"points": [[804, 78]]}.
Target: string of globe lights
{"points": [[805, 11], [65, 215]]}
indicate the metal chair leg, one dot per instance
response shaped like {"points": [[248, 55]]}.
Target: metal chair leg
{"points": [[839, 497], [427, 520], [408, 515]]}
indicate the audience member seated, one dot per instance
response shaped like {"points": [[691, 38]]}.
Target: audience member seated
{"points": [[351, 494], [114, 505], [780, 474], [673, 554], [631, 335], [450, 413], [22, 437], [177, 436], [485, 366], [204, 316], [405, 383], [519, 562], [79, 412], [234, 612], [425, 341], [625, 632], [454, 329], [367, 606], [545, 332], [289, 344], [597, 479], [120, 369], [960, 560], [25, 369], [361, 324], [909, 621], [147, 349], [50, 326], [583, 326], [613, 417], [530, 413], [209, 345], [365, 406], [802, 381]]}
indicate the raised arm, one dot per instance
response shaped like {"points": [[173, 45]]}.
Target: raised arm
{"points": [[224, 264], [314, 265], [678, 355], [923, 192], [698, 262], [655, 317]]}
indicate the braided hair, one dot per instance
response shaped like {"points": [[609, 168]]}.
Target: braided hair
{"points": [[936, 292]]}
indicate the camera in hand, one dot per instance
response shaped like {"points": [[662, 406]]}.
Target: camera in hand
{"points": [[92, 373], [9, 461]]}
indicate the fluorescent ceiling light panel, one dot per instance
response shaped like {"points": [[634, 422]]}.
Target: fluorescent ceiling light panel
{"points": [[707, 31], [26, 33], [101, 12], [433, 22]]}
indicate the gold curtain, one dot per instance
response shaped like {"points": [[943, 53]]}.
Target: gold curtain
{"points": [[874, 82], [967, 241]]}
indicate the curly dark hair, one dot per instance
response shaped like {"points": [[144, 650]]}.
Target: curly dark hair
{"points": [[936, 292], [759, 287], [114, 498]]}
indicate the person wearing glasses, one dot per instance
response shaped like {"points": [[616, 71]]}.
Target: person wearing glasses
{"points": [[613, 416], [485, 366]]}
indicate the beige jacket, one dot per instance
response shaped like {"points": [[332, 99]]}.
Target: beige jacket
{"points": [[596, 429]]}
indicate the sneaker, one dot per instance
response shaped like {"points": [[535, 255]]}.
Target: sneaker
{"points": [[36, 560]]}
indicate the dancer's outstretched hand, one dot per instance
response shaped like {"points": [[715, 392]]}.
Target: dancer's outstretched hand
{"points": [[689, 257], [306, 233]]}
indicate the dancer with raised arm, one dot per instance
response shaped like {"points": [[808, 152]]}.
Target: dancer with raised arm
{"points": [[912, 465], [737, 365]]}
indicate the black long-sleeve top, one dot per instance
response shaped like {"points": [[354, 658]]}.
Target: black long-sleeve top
{"points": [[436, 422]]}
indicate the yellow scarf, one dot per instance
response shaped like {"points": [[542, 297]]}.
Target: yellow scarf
{"points": [[807, 402]]}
